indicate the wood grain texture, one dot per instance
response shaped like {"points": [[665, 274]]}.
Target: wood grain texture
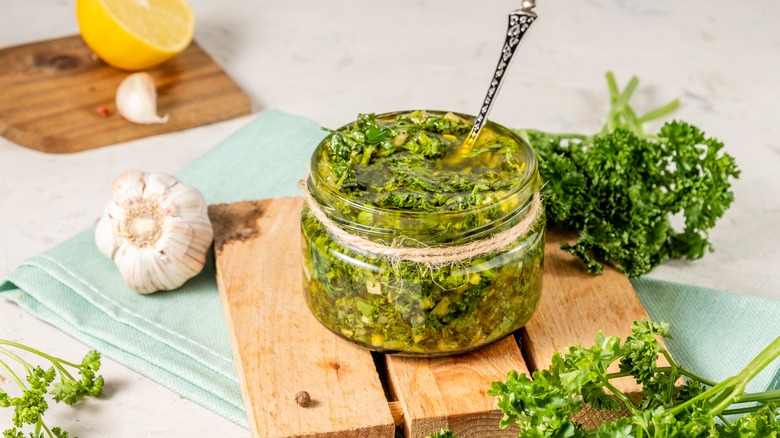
{"points": [[279, 347], [451, 392], [51, 91], [575, 305]]}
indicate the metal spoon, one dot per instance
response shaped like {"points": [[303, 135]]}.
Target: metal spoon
{"points": [[519, 23]]}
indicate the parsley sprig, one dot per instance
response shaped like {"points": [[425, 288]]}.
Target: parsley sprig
{"points": [[620, 188], [544, 406], [65, 381]]}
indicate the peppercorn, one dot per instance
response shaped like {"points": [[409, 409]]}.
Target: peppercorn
{"points": [[303, 399]]}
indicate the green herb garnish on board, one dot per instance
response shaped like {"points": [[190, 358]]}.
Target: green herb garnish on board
{"points": [[543, 407], [64, 381], [414, 186], [621, 187]]}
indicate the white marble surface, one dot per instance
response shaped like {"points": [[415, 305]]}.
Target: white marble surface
{"points": [[330, 59]]}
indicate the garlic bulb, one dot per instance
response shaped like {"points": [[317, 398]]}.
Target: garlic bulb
{"points": [[155, 229], [136, 99]]}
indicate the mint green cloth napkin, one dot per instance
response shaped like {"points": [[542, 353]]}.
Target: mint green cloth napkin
{"points": [[180, 340]]}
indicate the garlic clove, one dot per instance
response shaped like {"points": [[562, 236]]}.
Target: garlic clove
{"points": [[186, 206], [104, 236], [156, 230], [155, 185], [136, 99], [203, 237], [127, 187], [137, 266], [175, 240]]}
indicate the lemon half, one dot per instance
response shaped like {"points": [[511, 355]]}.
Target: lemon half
{"points": [[135, 34]]}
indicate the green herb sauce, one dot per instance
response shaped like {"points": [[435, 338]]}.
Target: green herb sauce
{"points": [[414, 162], [404, 178]]}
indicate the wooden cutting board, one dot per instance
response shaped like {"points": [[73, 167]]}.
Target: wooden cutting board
{"points": [[51, 92], [281, 349]]}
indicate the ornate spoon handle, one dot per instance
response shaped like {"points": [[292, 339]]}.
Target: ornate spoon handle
{"points": [[519, 23]]}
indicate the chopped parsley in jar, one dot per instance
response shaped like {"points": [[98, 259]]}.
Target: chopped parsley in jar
{"points": [[412, 244]]}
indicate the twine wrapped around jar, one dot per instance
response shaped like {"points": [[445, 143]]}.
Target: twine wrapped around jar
{"points": [[429, 256]]}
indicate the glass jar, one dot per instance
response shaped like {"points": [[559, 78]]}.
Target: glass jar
{"points": [[395, 305]]}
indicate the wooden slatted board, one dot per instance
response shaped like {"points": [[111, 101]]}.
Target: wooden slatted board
{"points": [[280, 348], [50, 92]]}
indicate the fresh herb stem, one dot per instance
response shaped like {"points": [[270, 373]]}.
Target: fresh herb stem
{"points": [[57, 362], [614, 92], [714, 392], [627, 93], [43, 425], [760, 397], [731, 390], [63, 371], [725, 421], [767, 356], [671, 360], [13, 356], [660, 112], [738, 411], [694, 376], [39, 353], [620, 111], [618, 375], [690, 374], [13, 375], [683, 371], [727, 398], [633, 121], [622, 397]]}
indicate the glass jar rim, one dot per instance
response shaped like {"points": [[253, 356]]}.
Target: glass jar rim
{"points": [[519, 194], [529, 171]]}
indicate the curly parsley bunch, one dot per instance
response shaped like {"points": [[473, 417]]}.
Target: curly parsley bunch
{"points": [[621, 187], [65, 381], [544, 406]]}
